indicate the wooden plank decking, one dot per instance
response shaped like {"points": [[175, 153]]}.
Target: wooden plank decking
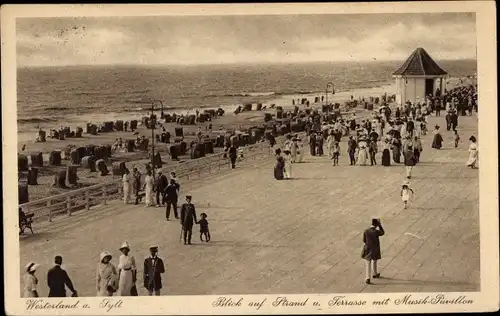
{"points": [[296, 236]]}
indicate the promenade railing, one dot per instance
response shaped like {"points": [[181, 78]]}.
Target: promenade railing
{"points": [[84, 198]]}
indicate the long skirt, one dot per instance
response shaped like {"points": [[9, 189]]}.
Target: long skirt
{"points": [[386, 158], [313, 150], [301, 154], [472, 159], [416, 153], [362, 157], [149, 197], [127, 191], [279, 172], [396, 155], [125, 283], [437, 142], [288, 170]]}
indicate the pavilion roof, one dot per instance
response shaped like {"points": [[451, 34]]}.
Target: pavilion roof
{"points": [[420, 63]]}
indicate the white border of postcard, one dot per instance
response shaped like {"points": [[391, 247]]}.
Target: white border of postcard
{"points": [[485, 300]]}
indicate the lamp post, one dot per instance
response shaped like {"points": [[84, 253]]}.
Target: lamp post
{"points": [[329, 84], [153, 126]]}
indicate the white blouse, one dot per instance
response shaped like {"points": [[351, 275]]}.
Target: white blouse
{"points": [[126, 263]]}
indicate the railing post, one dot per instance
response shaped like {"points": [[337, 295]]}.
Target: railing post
{"points": [[68, 205], [104, 194], [87, 200], [49, 202]]}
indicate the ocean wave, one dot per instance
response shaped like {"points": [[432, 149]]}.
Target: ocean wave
{"points": [[55, 108], [242, 94], [37, 120]]}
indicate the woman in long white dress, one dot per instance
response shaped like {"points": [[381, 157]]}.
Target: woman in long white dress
{"points": [[127, 271], [288, 164], [473, 152], [127, 190], [300, 150], [148, 188], [107, 278], [31, 281], [294, 149], [362, 153]]}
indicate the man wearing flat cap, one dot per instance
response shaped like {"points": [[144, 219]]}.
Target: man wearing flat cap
{"points": [[188, 218], [153, 269]]}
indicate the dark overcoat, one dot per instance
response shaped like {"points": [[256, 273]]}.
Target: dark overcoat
{"points": [[371, 247], [152, 273], [188, 216]]}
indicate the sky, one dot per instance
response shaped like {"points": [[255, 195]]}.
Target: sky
{"points": [[177, 40]]}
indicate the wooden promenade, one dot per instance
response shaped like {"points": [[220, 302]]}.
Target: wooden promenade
{"points": [[297, 236]]}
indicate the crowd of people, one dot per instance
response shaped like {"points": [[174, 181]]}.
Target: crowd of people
{"points": [[385, 130], [395, 130]]}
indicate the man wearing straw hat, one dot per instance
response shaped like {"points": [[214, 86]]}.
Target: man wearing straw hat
{"points": [[153, 269], [58, 279]]}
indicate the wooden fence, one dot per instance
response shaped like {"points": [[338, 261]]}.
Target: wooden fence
{"points": [[85, 198]]}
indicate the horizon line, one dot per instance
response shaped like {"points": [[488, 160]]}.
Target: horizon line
{"points": [[231, 63]]}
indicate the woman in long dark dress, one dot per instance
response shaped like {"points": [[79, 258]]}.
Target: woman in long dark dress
{"points": [[437, 142], [396, 150], [386, 154], [279, 168]]}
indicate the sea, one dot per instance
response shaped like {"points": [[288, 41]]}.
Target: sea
{"points": [[50, 97]]}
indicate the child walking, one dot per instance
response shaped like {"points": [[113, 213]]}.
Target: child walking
{"points": [[457, 138], [405, 194], [336, 153], [204, 227]]}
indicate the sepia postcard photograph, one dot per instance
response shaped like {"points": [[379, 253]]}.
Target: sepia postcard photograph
{"points": [[288, 158]]}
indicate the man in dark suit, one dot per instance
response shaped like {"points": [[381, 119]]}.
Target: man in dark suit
{"points": [[371, 248], [58, 279], [153, 269], [351, 150], [188, 219], [172, 196], [233, 154], [160, 185]]}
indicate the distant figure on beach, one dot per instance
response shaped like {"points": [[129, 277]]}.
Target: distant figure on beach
{"points": [[288, 164], [351, 150], [160, 185], [362, 153], [371, 249], [373, 149], [58, 279], [386, 154], [300, 151], [417, 148], [233, 154], [294, 148], [473, 153], [148, 188], [456, 138], [437, 141], [127, 187], [405, 194], [137, 185], [409, 160], [312, 143], [336, 153], [319, 144], [279, 168], [204, 227], [172, 197]]}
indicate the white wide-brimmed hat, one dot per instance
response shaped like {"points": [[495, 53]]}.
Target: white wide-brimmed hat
{"points": [[125, 245], [105, 254], [31, 267]]}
